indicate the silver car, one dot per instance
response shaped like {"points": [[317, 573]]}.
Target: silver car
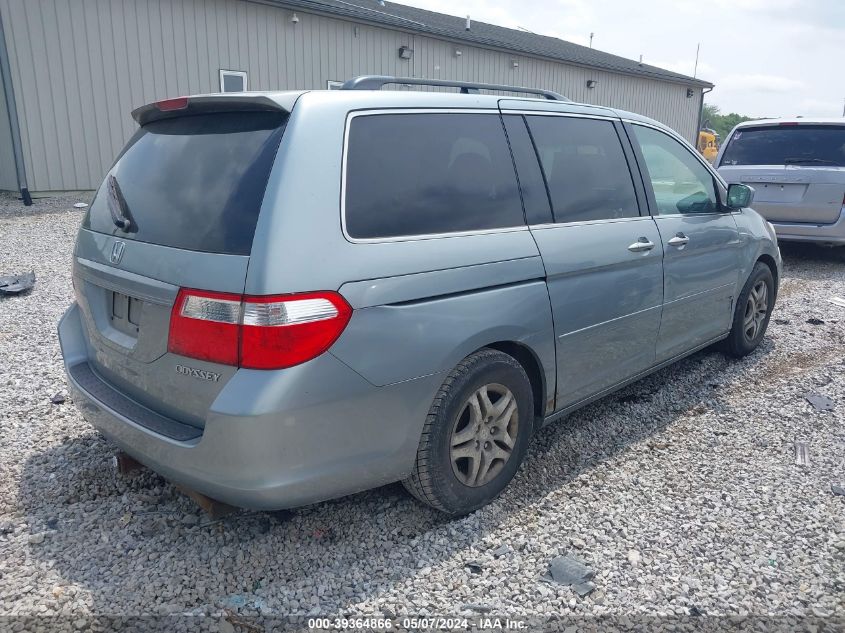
{"points": [[797, 168], [287, 297]]}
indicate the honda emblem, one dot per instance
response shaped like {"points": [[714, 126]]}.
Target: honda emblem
{"points": [[117, 252]]}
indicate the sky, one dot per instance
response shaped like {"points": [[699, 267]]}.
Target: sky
{"points": [[768, 58]]}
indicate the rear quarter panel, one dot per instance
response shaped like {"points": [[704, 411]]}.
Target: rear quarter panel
{"points": [[390, 342]]}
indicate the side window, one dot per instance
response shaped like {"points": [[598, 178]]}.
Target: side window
{"points": [[422, 174], [534, 195], [681, 183], [585, 168]]}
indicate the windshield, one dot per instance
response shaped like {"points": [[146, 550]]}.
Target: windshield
{"points": [[193, 182], [787, 145]]}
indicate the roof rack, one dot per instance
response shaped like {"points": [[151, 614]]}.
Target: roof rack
{"points": [[377, 82]]}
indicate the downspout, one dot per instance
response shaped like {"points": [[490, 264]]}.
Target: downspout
{"points": [[700, 112], [8, 90]]}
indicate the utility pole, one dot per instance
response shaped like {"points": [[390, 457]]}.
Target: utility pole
{"points": [[591, 39], [695, 71], [843, 110]]}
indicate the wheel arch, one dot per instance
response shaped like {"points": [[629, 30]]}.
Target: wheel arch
{"points": [[769, 261], [526, 357]]}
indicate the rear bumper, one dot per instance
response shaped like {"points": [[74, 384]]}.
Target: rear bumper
{"points": [[805, 232], [272, 439]]}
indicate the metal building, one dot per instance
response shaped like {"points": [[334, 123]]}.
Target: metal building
{"points": [[73, 70]]}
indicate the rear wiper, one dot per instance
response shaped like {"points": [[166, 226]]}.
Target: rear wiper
{"points": [[117, 206], [798, 160]]}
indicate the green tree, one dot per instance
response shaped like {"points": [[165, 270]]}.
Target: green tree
{"points": [[722, 124]]}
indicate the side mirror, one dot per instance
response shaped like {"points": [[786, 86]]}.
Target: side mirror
{"points": [[739, 196]]}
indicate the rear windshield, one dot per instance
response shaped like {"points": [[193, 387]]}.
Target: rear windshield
{"points": [[193, 182], [787, 145]]}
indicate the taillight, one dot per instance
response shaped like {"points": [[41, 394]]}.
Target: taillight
{"points": [[289, 330], [168, 105], [206, 326], [269, 332]]}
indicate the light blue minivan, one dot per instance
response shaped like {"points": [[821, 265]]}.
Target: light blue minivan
{"points": [[288, 297]]}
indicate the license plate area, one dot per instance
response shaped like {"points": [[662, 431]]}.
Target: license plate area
{"points": [[125, 313]]}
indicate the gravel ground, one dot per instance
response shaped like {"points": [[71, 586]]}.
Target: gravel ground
{"points": [[681, 492]]}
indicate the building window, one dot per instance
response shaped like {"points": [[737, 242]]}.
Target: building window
{"points": [[333, 85], [232, 81]]}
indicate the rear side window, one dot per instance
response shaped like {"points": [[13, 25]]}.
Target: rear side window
{"points": [[787, 145], [425, 174], [585, 168], [193, 182]]}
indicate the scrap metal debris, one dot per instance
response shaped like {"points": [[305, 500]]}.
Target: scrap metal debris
{"points": [[819, 402], [802, 454], [16, 284], [839, 491], [80, 205], [837, 301]]}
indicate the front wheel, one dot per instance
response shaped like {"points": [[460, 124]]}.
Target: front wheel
{"points": [[475, 434], [752, 312]]}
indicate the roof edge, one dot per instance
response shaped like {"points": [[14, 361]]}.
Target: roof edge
{"points": [[404, 24]]}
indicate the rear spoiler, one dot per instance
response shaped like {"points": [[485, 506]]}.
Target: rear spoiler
{"points": [[204, 104]]}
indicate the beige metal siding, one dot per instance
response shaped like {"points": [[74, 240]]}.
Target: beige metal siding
{"points": [[81, 66], [664, 101]]}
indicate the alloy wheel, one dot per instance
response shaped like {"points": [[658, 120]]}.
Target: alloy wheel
{"points": [[484, 435], [756, 309]]}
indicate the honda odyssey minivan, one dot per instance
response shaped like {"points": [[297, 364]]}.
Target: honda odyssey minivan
{"points": [[287, 297]]}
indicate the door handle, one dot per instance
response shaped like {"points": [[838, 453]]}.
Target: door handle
{"points": [[679, 240], [642, 244]]}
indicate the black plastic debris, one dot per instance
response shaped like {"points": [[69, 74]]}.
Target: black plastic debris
{"points": [[16, 284], [819, 402], [815, 321], [568, 570], [58, 399], [474, 567], [839, 491]]}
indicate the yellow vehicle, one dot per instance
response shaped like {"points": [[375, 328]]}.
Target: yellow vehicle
{"points": [[708, 144]]}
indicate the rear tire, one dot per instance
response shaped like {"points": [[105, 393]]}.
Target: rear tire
{"points": [[752, 312], [475, 434]]}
